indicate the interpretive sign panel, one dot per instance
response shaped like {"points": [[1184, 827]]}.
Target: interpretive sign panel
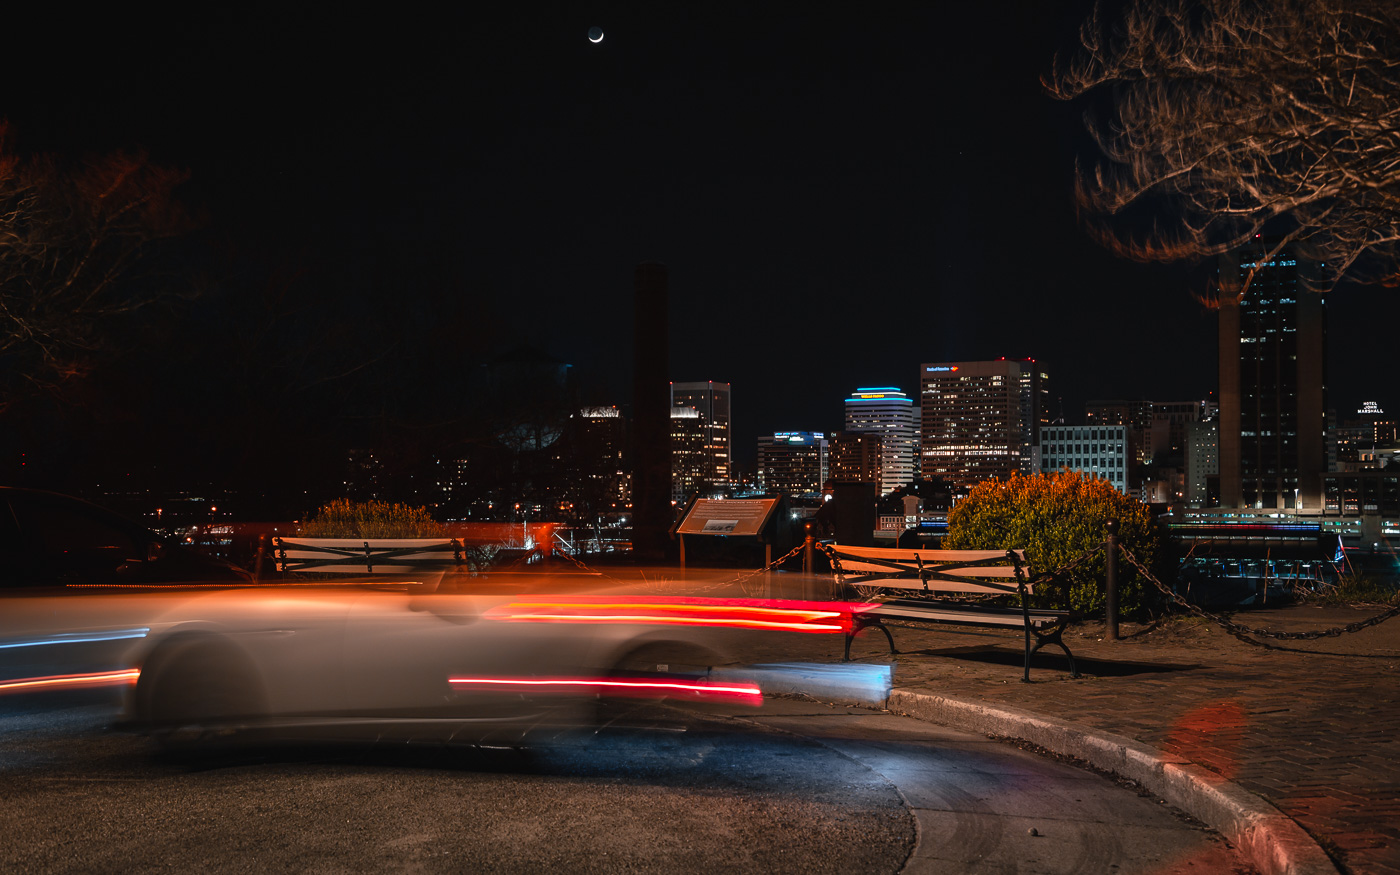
{"points": [[728, 516]]}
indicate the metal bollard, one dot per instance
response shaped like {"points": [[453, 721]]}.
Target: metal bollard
{"points": [[809, 581], [1110, 596]]}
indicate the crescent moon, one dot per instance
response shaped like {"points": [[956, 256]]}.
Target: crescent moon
{"points": [[595, 35]]}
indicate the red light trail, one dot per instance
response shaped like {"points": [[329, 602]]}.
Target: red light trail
{"points": [[813, 617]]}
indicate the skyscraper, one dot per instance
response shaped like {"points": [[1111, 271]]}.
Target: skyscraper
{"points": [[792, 462], [690, 463], [857, 457], [1272, 384], [599, 480], [980, 419], [890, 413], [711, 401], [1035, 411]]}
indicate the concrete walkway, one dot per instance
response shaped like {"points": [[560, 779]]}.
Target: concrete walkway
{"points": [[1291, 751]]}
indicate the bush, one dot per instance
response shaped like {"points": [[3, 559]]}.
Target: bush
{"points": [[1057, 518], [344, 518], [1354, 589]]}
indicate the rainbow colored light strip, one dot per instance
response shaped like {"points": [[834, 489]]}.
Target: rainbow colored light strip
{"points": [[783, 616], [72, 681], [641, 687]]}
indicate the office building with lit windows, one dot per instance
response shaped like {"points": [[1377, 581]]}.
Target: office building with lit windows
{"points": [[980, 420], [793, 462], [1096, 451], [711, 401], [690, 463], [599, 470], [890, 413], [1202, 464], [857, 457], [1272, 384]]}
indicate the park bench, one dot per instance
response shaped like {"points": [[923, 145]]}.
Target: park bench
{"points": [[946, 586], [360, 556]]}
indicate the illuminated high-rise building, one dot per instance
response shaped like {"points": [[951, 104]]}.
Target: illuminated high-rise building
{"points": [[890, 413], [711, 401], [1272, 384], [857, 457], [690, 464], [981, 420], [1202, 462], [792, 462], [599, 479]]}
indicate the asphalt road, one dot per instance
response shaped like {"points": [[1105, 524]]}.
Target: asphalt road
{"points": [[799, 787]]}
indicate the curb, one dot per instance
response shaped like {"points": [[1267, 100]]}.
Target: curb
{"points": [[1273, 842]]}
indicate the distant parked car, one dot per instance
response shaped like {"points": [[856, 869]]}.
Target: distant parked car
{"points": [[53, 540]]}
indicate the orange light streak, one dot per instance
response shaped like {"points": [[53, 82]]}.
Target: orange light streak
{"points": [[72, 681]]}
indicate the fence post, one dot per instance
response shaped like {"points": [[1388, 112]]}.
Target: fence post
{"points": [[807, 551], [1110, 597], [809, 581], [767, 569]]}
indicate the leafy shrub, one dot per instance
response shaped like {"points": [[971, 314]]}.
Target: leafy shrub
{"points": [[344, 518], [1057, 518]]}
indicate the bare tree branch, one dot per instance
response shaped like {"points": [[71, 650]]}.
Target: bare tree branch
{"points": [[1244, 114], [70, 239]]}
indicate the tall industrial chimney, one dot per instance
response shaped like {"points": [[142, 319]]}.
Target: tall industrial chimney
{"points": [[652, 514]]}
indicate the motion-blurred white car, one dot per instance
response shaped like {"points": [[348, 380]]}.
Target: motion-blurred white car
{"points": [[371, 662]]}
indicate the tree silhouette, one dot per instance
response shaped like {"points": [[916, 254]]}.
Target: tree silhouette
{"points": [[73, 236], [1241, 114]]}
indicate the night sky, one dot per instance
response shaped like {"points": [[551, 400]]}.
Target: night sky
{"points": [[840, 193]]}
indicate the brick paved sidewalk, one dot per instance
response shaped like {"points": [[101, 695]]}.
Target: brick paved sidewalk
{"points": [[1312, 728]]}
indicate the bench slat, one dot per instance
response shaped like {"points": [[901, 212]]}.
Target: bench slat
{"points": [[936, 585], [347, 555], [897, 554], [974, 571]]}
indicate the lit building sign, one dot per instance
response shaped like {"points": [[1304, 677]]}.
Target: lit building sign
{"points": [[941, 368], [1370, 408], [882, 393]]}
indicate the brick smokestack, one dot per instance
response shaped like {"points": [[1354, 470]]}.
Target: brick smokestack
{"points": [[652, 514]]}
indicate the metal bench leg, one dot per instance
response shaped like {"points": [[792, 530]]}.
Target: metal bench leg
{"points": [[1025, 618], [860, 627], [1054, 637]]}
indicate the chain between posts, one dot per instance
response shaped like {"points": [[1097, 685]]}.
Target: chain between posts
{"points": [[1046, 576], [767, 568], [1243, 632]]}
